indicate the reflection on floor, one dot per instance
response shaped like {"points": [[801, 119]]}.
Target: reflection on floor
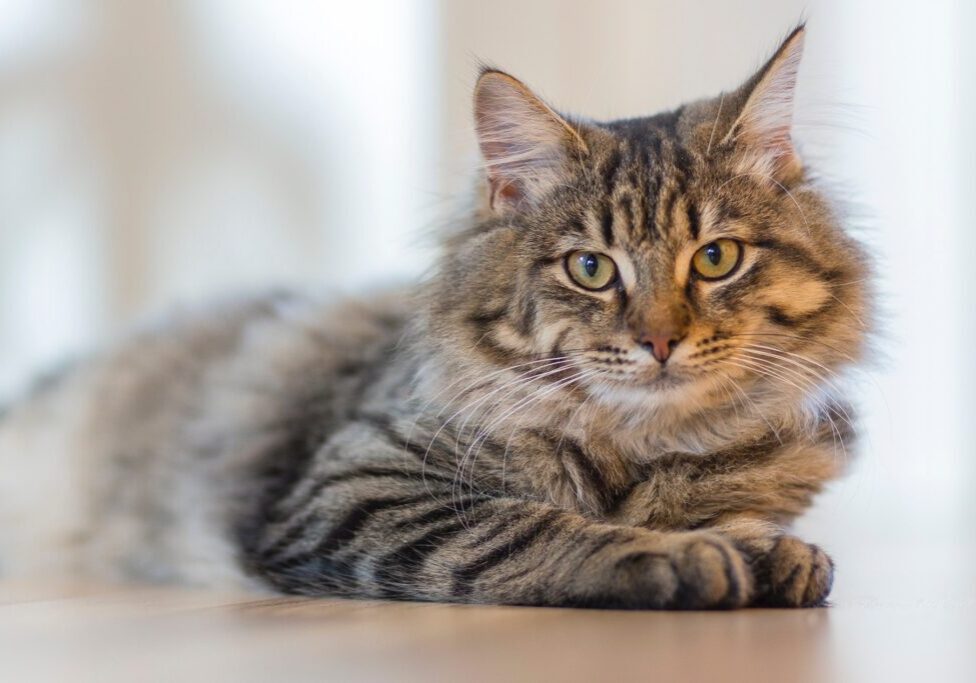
{"points": [[889, 622]]}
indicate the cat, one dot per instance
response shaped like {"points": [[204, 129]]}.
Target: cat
{"points": [[618, 389]]}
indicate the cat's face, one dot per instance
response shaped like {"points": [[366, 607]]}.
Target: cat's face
{"points": [[681, 259]]}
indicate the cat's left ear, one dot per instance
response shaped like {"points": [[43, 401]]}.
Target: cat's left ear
{"points": [[763, 127]]}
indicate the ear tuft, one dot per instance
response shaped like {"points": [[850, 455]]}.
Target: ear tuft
{"points": [[526, 145], [763, 127]]}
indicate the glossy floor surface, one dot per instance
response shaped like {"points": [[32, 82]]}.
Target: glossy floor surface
{"points": [[898, 614]]}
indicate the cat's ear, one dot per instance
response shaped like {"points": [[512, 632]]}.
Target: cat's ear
{"points": [[763, 128], [527, 147]]}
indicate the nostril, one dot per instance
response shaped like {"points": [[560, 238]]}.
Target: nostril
{"points": [[659, 345]]}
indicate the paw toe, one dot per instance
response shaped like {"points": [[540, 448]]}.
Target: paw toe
{"points": [[799, 574], [711, 574]]}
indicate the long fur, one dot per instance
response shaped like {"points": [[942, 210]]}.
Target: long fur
{"points": [[498, 433]]}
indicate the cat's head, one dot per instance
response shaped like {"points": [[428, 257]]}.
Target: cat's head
{"points": [[682, 259]]}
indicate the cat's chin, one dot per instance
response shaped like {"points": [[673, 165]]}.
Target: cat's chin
{"points": [[664, 390]]}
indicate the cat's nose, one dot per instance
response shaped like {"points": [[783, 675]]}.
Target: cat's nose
{"points": [[660, 344]]}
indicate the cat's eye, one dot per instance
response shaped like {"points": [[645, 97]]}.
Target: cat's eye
{"points": [[591, 270], [717, 259]]}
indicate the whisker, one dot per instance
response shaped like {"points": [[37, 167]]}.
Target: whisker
{"points": [[799, 208], [764, 369], [484, 432], [478, 401], [847, 417]]}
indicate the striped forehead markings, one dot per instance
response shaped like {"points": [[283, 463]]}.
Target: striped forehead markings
{"points": [[610, 168], [643, 182], [694, 220], [606, 224]]}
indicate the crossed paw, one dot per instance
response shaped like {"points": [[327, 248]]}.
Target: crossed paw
{"points": [[709, 570], [779, 572]]}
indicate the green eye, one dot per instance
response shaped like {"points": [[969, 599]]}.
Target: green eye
{"points": [[717, 259], [591, 270]]}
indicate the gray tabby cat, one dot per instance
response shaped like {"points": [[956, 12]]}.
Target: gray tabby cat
{"points": [[617, 390]]}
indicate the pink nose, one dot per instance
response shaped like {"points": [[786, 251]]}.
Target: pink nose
{"points": [[659, 344]]}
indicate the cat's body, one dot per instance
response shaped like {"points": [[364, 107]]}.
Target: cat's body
{"points": [[509, 431]]}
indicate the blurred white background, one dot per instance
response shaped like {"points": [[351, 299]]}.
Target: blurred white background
{"points": [[161, 152]]}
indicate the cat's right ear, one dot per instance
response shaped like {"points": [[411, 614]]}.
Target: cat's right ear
{"points": [[527, 147]]}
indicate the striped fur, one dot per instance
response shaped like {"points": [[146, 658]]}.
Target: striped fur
{"points": [[498, 434]]}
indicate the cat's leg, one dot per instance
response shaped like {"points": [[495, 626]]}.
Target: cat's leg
{"points": [[788, 571], [741, 503], [401, 541]]}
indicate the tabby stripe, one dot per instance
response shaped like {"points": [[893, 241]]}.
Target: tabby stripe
{"points": [[556, 349], [497, 528], [683, 163], [586, 468], [729, 211], [655, 146], [491, 347], [412, 554], [442, 512], [622, 298], [345, 530], [483, 322], [383, 425], [730, 575], [644, 211], [606, 224], [795, 254], [312, 575], [487, 317], [665, 208], [612, 537], [466, 575], [359, 516], [729, 292], [527, 319], [610, 169], [694, 220], [395, 569], [754, 450], [780, 317], [652, 201], [577, 228], [351, 475], [371, 472], [627, 206]]}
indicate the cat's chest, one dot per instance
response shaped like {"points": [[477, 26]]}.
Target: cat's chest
{"points": [[596, 479]]}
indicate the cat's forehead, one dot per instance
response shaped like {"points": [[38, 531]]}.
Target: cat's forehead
{"points": [[643, 187]]}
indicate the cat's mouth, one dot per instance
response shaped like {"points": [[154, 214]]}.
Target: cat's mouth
{"points": [[665, 378], [655, 379]]}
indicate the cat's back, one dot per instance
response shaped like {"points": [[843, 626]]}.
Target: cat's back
{"points": [[107, 468]]}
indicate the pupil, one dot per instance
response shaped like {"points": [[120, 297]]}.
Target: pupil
{"points": [[590, 264], [714, 253]]}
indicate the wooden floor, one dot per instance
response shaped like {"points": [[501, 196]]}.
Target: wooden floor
{"points": [[892, 619]]}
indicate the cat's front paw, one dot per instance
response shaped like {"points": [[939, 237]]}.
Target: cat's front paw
{"points": [[711, 572], [793, 573], [692, 570]]}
